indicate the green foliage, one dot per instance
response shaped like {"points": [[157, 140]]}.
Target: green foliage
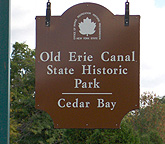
{"points": [[149, 121], [31, 126], [151, 138], [13, 130], [22, 86], [76, 136], [97, 137], [28, 125], [125, 135], [145, 139], [155, 137]]}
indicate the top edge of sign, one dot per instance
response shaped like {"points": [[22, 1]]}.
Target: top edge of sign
{"points": [[87, 4]]}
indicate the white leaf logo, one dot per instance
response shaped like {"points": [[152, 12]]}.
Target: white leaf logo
{"points": [[87, 27]]}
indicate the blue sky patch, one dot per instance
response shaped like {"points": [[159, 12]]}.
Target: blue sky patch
{"points": [[160, 3]]}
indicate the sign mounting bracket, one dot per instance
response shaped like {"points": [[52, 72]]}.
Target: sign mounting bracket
{"points": [[48, 14], [126, 19]]}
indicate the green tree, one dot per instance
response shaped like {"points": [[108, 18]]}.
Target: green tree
{"points": [[28, 125], [149, 121], [125, 135], [22, 85], [76, 136]]}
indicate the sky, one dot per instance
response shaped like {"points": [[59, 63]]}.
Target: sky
{"points": [[152, 31]]}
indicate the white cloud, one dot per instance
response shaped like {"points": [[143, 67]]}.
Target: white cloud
{"points": [[152, 48], [152, 31]]}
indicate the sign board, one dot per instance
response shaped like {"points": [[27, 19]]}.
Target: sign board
{"points": [[87, 67]]}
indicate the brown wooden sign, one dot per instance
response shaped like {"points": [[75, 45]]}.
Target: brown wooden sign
{"points": [[87, 67]]}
